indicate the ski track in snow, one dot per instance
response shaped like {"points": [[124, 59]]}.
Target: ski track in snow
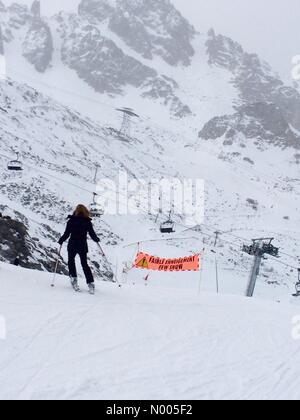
{"points": [[140, 343]]}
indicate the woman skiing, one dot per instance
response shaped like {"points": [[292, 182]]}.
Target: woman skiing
{"points": [[78, 226]]}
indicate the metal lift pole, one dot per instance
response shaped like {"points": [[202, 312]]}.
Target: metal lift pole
{"points": [[254, 275], [258, 249]]}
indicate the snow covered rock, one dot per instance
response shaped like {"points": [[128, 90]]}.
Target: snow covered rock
{"points": [[19, 15], [150, 27], [38, 45], [36, 9], [98, 61], [260, 122], [17, 244], [104, 66], [162, 87], [254, 78]]}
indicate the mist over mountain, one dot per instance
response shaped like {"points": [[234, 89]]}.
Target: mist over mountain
{"points": [[208, 108], [182, 145]]}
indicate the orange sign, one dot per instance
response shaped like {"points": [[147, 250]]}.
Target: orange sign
{"points": [[148, 262]]}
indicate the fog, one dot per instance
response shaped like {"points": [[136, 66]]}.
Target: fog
{"points": [[269, 27]]}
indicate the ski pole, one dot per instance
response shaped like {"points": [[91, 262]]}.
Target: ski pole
{"points": [[103, 254], [56, 267]]}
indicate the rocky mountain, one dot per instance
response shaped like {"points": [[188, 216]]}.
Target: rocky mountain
{"points": [[101, 63], [146, 46], [38, 45], [149, 27], [113, 52], [259, 122], [60, 149], [19, 248], [266, 100]]}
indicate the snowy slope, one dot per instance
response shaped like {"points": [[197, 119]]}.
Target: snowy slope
{"points": [[252, 180], [142, 343], [60, 149]]}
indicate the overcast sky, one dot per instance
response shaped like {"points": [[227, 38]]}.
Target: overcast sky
{"points": [[269, 27]]}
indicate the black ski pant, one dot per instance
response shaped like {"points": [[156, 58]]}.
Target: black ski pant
{"points": [[84, 262]]}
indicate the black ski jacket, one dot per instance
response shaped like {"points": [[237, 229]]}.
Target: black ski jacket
{"points": [[77, 230]]}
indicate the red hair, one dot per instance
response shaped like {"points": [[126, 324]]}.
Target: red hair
{"points": [[82, 211]]}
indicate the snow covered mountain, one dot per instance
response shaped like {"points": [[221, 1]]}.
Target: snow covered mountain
{"points": [[210, 110], [146, 47]]}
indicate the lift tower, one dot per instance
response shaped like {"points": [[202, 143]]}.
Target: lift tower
{"points": [[258, 249], [128, 114]]}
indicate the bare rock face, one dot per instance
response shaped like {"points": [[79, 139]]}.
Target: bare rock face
{"points": [[150, 27], [104, 66], [36, 9], [19, 15], [98, 60], [268, 110], [163, 88], [38, 45], [254, 78], [17, 244], [259, 121]]}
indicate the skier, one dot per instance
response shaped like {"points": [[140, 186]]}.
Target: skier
{"points": [[78, 226]]}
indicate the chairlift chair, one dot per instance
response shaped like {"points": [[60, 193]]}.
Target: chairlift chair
{"points": [[15, 165], [95, 209], [167, 227]]}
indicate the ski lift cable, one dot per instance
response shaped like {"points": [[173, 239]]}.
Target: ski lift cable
{"points": [[73, 184], [86, 190], [159, 240], [215, 154], [154, 123], [81, 188], [234, 244], [113, 108], [243, 239], [52, 176], [53, 87], [283, 263]]}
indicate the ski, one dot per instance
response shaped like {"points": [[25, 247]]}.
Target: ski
{"points": [[92, 289], [74, 284]]}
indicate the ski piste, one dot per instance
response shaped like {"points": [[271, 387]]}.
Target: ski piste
{"points": [[134, 91], [91, 290], [75, 285]]}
